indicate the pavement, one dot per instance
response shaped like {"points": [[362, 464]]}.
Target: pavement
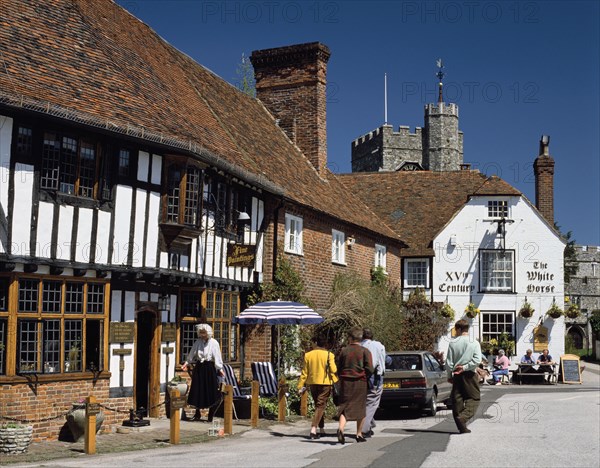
{"points": [[511, 414]]}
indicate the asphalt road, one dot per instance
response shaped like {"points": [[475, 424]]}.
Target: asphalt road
{"points": [[522, 426]]}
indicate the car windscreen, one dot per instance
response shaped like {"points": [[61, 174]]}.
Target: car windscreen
{"points": [[405, 362]]}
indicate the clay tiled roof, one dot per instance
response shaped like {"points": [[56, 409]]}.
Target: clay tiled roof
{"points": [[95, 59], [417, 205]]}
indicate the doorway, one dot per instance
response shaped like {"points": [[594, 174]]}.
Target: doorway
{"points": [[146, 385]]}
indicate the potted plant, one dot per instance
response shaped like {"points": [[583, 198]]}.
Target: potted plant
{"points": [[572, 311], [554, 311], [246, 386], [15, 437], [526, 310], [472, 311], [76, 420], [179, 383], [447, 311]]}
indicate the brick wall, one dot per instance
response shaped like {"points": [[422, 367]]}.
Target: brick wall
{"points": [[291, 82], [315, 266], [543, 168]]}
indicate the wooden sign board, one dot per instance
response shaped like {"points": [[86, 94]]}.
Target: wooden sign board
{"points": [[241, 255], [570, 369], [92, 409], [122, 352], [121, 332], [540, 339], [169, 332], [178, 403]]}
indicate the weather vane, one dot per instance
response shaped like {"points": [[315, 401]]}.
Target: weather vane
{"points": [[440, 75]]}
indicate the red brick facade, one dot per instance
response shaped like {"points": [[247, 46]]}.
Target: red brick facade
{"points": [[543, 168], [291, 83]]}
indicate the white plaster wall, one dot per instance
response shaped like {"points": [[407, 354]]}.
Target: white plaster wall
{"points": [[65, 227], [143, 164], [152, 235], [538, 252], [156, 168], [84, 233], [102, 236], [122, 214], [6, 126], [21, 225], [45, 221], [138, 226]]}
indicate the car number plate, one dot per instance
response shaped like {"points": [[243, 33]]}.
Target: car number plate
{"points": [[391, 385]]}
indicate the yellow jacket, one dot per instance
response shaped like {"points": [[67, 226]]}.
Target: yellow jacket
{"points": [[315, 372]]}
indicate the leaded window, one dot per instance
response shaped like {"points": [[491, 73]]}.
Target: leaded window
{"points": [[496, 270], [183, 195], [416, 273]]}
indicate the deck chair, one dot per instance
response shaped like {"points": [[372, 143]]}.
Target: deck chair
{"points": [[230, 379], [268, 386], [263, 372]]}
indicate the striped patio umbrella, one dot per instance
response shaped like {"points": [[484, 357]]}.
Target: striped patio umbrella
{"points": [[278, 313]]}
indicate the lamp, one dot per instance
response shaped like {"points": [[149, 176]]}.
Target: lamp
{"points": [[243, 217], [351, 241], [164, 303]]}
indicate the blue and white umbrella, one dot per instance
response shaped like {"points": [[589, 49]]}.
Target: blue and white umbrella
{"points": [[278, 313]]}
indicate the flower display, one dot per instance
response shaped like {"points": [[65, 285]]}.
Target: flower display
{"points": [[572, 311], [554, 311], [526, 310], [447, 311], [471, 310]]}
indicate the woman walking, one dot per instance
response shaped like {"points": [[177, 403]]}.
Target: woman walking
{"points": [[355, 365], [206, 357], [319, 373]]}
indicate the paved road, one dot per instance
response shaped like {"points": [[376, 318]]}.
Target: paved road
{"points": [[523, 426]]}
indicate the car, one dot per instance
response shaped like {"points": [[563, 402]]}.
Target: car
{"points": [[414, 379]]}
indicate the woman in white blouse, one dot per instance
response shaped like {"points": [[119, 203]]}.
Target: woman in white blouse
{"points": [[205, 355]]}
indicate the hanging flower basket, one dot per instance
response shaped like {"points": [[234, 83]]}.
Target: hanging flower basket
{"points": [[554, 311], [472, 311], [572, 311], [447, 311], [526, 310]]}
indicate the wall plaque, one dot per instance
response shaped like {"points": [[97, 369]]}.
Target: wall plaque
{"points": [[168, 350], [122, 352], [241, 255], [179, 402], [169, 332], [92, 409], [540, 339], [121, 332]]}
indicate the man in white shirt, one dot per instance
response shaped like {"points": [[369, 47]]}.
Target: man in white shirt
{"points": [[375, 381], [464, 355]]}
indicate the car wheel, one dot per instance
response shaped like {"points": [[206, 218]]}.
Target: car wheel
{"points": [[432, 405]]}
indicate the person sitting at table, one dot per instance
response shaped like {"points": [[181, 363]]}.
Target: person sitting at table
{"points": [[483, 372], [501, 365], [527, 367], [546, 363]]}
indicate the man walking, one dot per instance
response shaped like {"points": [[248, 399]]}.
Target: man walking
{"points": [[464, 355], [376, 380]]}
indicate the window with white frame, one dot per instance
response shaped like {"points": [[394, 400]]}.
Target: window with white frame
{"points": [[498, 208], [495, 323], [416, 273], [338, 248], [380, 256], [293, 234], [496, 270]]}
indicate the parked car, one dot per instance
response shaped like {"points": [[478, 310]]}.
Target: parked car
{"points": [[414, 379]]}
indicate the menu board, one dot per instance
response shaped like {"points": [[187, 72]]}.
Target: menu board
{"points": [[570, 369]]}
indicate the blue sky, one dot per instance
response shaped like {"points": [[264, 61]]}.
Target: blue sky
{"points": [[517, 70]]}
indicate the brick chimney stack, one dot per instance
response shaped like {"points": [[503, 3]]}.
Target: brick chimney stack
{"points": [[543, 168], [291, 82]]}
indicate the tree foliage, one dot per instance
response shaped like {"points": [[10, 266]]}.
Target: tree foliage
{"points": [[570, 254], [245, 77]]}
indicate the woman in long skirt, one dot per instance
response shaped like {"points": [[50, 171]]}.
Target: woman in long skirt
{"points": [[205, 355], [355, 365]]}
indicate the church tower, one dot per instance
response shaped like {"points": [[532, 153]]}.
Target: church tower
{"points": [[442, 141]]}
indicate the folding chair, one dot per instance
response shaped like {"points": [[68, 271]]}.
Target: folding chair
{"points": [[264, 373], [230, 379]]}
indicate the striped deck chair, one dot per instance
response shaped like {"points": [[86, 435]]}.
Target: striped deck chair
{"points": [[264, 373], [230, 379]]}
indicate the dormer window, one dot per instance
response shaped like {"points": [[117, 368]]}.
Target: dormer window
{"points": [[497, 208], [183, 195]]}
